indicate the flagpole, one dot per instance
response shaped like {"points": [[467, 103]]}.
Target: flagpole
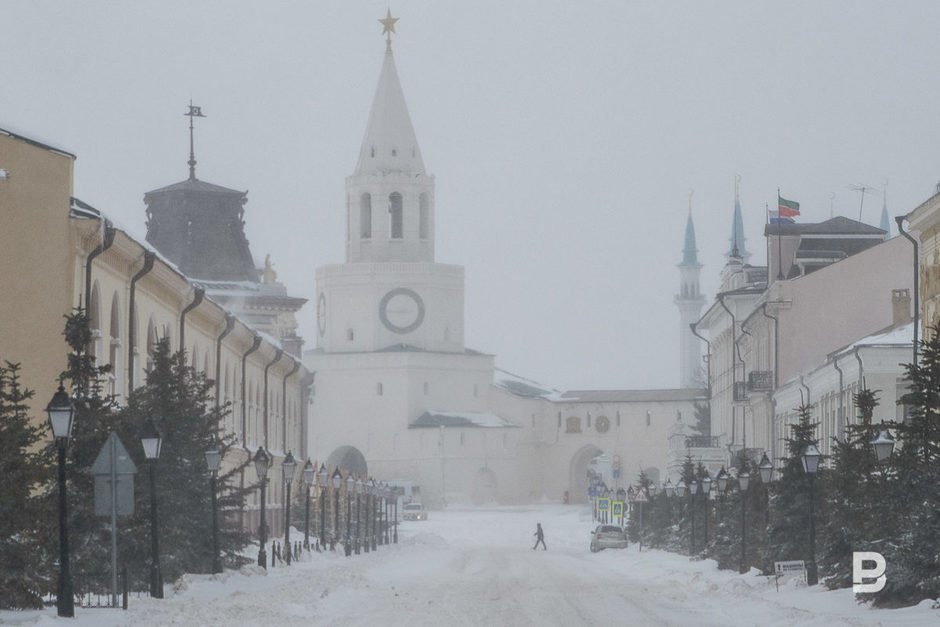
{"points": [[779, 237]]}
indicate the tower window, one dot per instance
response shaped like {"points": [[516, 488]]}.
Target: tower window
{"points": [[395, 216], [378, 389], [424, 216], [373, 152], [350, 335], [476, 390], [648, 417], [426, 388], [394, 152], [365, 216]]}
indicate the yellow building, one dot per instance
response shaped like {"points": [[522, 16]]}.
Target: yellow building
{"points": [[60, 253]]}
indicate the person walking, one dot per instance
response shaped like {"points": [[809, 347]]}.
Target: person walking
{"points": [[539, 537]]}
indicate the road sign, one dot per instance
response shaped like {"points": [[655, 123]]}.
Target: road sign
{"points": [[122, 473], [603, 505], [640, 497], [618, 508]]}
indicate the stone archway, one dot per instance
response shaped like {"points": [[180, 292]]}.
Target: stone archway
{"points": [[348, 459], [484, 488], [577, 481]]}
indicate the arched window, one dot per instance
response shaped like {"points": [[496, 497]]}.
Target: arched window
{"points": [[114, 344], [94, 322], [365, 216], [395, 224], [424, 226]]}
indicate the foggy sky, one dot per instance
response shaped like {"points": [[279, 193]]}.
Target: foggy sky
{"points": [[564, 137]]}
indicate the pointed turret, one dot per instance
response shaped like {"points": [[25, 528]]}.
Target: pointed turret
{"points": [[390, 144], [690, 301], [390, 197], [737, 243], [885, 220]]}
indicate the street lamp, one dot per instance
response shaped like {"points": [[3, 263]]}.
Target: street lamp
{"points": [[387, 494], [350, 486], [323, 479], [766, 468], [883, 445], [395, 495], [262, 463], [810, 461], [374, 498], [744, 480], [213, 461], [308, 475], [668, 488], [152, 442], [337, 480], [287, 467], [358, 488], [61, 411], [693, 490], [706, 493], [722, 481]]}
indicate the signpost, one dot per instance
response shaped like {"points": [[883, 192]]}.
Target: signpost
{"points": [[114, 493], [640, 497]]}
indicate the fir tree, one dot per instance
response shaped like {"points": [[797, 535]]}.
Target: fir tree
{"points": [[24, 466]]}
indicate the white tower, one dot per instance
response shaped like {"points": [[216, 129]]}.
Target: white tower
{"points": [[690, 301], [390, 293]]}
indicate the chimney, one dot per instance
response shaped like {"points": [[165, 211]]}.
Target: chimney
{"points": [[900, 307], [294, 345]]}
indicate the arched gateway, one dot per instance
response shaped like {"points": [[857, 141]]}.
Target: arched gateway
{"points": [[348, 459]]}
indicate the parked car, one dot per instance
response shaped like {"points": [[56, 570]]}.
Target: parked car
{"points": [[414, 511], [608, 537]]}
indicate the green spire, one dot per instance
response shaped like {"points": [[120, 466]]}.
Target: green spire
{"points": [[689, 251]]}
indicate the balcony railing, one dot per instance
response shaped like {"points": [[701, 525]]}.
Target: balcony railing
{"points": [[760, 380], [701, 441]]}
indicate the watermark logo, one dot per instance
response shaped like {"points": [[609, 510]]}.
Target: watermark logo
{"points": [[860, 573]]}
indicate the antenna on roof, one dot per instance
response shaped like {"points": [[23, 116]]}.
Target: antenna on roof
{"points": [[864, 189]]}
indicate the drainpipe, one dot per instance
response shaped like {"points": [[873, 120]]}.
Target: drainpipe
{"points": [[841, 429], [743, 372], [708, 362], [776, 343], [734, 343], [105, 244], [256, 342], [229, 325], [900, 222], [861, 370], [277, 358], [284, 402], [149, 258], [197, 300], [808, 398], [305, 384]]}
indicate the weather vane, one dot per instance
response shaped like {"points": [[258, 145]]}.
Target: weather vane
{"points": [[388, 27], [194, 112]]}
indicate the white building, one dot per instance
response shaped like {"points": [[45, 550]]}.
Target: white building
{"points": [[398, 394]]}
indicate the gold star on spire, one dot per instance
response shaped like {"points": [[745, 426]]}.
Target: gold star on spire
{"points": [[388, 27]]}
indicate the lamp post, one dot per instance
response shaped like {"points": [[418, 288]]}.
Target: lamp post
{"points": [[366, 514], [374, 498], [308, 475], [337, 479], [287, 467], [61, 411], [693, 490], [262, 463], [395, 495], [323, 479], [358, 492], [350, 487], [213, 461], [883, 445], [744, 480], [810, 461], [706, 495], [151, 441], [387, 494]]}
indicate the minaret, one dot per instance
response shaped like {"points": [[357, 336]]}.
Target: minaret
{"points": [[885, 220], [737, 241], [390, 197], [690, 301]]}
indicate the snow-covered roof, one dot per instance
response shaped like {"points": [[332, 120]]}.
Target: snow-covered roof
{"points": [[433, 418], [520, 386], [636, 396], [902, 335]]}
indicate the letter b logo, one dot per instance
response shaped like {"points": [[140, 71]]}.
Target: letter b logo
{"points": [[860, 573]]}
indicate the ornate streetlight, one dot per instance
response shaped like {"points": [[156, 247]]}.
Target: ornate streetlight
{"points": [[287, 467], [387, 494], [337, 480], [669, 488], [395, 513], [323, 479], [374, 498], [152, 442], [693, 490], [744, 480], [308, 476], [358, 488], [883, 445], [61, 411], [213, 461], [722, 480], [262, 463], [810, 461], [706, 495], [766, 468], [350, 487]]}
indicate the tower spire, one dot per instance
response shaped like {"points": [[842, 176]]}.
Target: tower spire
{"points": [[388, 27], [738, 247], [885, 221], [194, 112]]}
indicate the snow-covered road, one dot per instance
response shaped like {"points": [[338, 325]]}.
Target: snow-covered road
{"points": [[477, 567]]}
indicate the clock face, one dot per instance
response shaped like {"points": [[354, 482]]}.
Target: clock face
{"points": [[401, 310], [321, 313]]}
